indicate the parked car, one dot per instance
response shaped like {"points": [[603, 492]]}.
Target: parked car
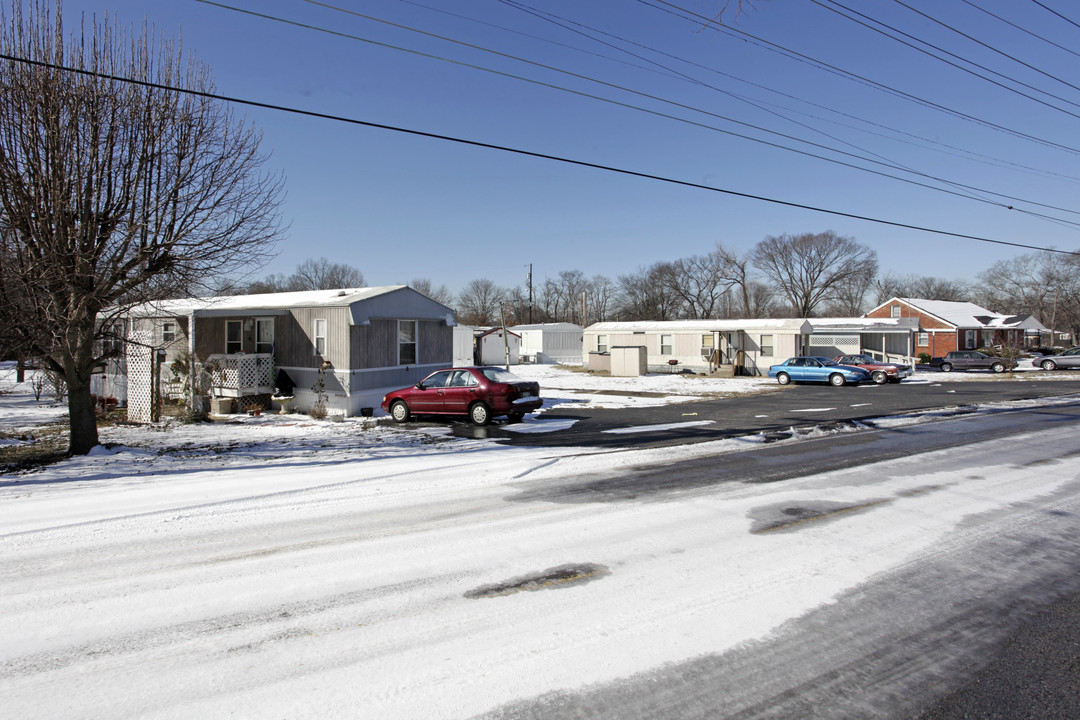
{"points": [[880, 372], [817, 369], [1064, 359], [482, 393], [1042, 350], [971, 360]]}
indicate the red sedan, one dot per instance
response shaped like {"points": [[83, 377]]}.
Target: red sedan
{"points": [[880, 372], [479, 392]]}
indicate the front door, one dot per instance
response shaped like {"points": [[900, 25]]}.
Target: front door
{"points": [[460, 393], [430, 398]]}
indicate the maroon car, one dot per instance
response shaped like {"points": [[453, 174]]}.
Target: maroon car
{"points": [[880, 372], [479, 392]]}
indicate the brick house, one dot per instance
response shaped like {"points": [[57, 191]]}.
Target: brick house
{"points": [[946, 326]]}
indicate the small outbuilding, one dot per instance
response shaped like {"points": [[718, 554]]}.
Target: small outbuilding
{"points": [[494, 346], [552, 343]]}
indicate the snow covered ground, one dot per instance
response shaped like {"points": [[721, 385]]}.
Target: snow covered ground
{"points": [[277, 566]]}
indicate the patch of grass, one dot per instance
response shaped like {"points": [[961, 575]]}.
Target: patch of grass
{"points": [[584, 370], [45, 445]]}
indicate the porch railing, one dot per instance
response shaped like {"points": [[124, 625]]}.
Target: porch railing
{"points": [[241, 375]]}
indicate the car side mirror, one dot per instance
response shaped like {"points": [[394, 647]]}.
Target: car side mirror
{"points": [[420, 385]]}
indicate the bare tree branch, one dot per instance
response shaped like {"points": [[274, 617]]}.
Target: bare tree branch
{"points": [[114, 193]]}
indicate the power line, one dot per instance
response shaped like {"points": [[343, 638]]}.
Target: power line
{"points": [[792, 54], [525, 153], [954, 55], [661, 114], [988, 47], [960, 152], [1055, 12], [1021, 29]]}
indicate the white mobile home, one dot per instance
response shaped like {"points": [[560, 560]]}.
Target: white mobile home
{"points": [[345, 347], [551, 343], [725, 347]]}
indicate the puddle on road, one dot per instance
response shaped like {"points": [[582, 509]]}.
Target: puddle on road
{"points": [[553, 578], [790, 517]]}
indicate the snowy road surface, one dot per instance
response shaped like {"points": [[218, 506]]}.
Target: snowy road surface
{"points": [[319, 570]]}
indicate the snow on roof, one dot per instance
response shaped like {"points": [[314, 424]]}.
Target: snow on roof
{"points": [[879, 324], [555, 326], [262, 301], [794, 325], [960, 314]]}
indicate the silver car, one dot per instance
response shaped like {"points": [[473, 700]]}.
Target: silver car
{"points": [[1065, 359]]}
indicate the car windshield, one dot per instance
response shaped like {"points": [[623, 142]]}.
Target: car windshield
{"points": [[827, 362], [495, 374]]}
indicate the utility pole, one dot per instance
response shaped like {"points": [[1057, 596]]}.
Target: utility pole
{"points": [[529, 282]]}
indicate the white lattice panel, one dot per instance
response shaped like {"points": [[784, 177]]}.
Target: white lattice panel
{"points": [[140, 374], [847, 343]]}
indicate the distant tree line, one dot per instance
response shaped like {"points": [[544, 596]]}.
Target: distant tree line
{"points": [[805, 275]]}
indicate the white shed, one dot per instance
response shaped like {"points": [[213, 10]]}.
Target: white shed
{"points": [[551, 343], [492, 346], [464, 345]]}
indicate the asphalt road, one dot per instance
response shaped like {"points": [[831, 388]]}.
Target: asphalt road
{"points": [[793, 406], [988, 627]]}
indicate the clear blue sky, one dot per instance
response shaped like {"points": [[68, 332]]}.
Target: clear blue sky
{"points": [[401, 207]]}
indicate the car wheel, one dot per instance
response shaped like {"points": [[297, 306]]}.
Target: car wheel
{"points": [[880, 377], [836, 380], [480, 414], [998, 367], [783, 379], [1049, 365], [400, 411], [946, 367], [514, 417]]}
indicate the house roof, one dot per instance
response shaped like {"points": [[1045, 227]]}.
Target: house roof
{"points": [[864, 324], [554, 327], [970, 315], [280, 303], [788, 325], [494, 330]]}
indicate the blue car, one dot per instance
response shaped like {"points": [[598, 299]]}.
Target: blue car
{"points": [[817, 369]]}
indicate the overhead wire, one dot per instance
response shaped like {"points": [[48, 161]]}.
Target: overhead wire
{"points": [[560, 22], [959, 67], [697, 18], [1035, 35], [661, 114], [1055, 12], [987, 46], [931, 144], [517, 151]]}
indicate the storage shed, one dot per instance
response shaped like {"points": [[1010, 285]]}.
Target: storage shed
{"points": [[492, 346]]}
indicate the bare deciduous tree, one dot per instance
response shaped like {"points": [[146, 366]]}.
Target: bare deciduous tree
{"points": [[698, 283], [113, 192], [643, 295], [322, 274], [808, 268], [1044, 284], [479, 302], [919, 286], [440, 294]]}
